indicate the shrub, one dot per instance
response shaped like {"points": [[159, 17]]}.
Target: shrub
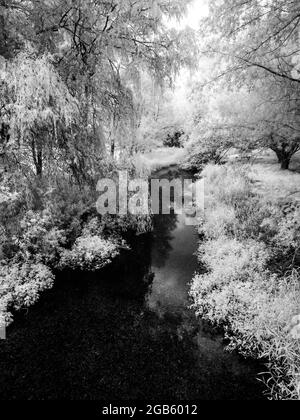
{"points": [[56, 228], [39, 239], [287, 238], [227, 184], [89, 253], [241, 260], [219, 221], [251, 284], [21, 285], [232, 267]]}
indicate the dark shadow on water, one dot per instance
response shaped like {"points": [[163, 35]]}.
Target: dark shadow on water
{"points": [[164, 227]]}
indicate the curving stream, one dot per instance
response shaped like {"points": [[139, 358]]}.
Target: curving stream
{"points": [[125, 333]]}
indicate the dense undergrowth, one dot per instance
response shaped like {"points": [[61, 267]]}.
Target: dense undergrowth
{"points": [[250, 288], [44, 230]]}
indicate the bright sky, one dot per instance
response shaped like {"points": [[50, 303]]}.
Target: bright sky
{"points": [[197, 10]]}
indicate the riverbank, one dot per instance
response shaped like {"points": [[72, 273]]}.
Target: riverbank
{"points": [[125, 332], [251, 253]]}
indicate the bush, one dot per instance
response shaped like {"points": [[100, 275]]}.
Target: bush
{"points": [[251, 284], [21, 285], [227, 184], [206, 146], [232, 267], [39, 239], [219, 221], [44, 229], [89, 253]]}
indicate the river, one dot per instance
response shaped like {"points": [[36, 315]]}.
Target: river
{"points": [[126, 332]]}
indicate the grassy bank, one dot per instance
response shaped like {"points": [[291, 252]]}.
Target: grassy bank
{"points": [[251, 254]]}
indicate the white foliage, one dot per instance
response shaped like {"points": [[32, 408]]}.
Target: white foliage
{"points": [[38, 95]]}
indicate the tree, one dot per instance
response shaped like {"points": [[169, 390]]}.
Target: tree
{"points": [[34, 104], [246, 120], [98, 51], [254, 47], [165, 115], [262, 36]]}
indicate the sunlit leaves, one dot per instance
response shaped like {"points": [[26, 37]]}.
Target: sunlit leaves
{"points": [[75, 76], [38, 96], [261, 35]]}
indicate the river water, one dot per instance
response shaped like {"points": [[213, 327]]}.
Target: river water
{"points": [[126, 332]]}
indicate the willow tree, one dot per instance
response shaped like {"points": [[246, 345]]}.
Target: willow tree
{"points": [[99, 49], [35, 103]]}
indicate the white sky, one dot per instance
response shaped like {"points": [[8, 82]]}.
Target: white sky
{"points": [[197, 10]]}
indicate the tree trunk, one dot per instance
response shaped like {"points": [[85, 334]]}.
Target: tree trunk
{"points": [[4, 134], [284, 158], [285, 163], [112, 149], [37, 155], [3, 38], [113, 134], [39, 168]]}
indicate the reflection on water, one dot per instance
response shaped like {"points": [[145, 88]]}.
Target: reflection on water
{"points": [[173, 263]]}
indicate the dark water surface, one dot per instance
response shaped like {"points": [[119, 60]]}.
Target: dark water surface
{"points": [[125, 333]]}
